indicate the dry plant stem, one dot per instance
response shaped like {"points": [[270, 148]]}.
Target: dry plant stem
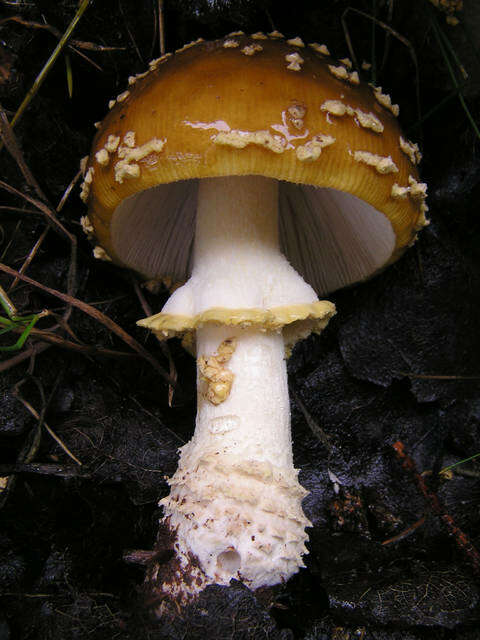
{"points": [[10, 141], [52, 338], [30, 256], [395, 34], [31, 352], [98, 316], [406, 532], [44, 469], [462, 540], [82, 44], [43, 208], [50, 431], [315, 428], [235, 501], [56, 52], [163, 345], [161, 28], [426, 376]]}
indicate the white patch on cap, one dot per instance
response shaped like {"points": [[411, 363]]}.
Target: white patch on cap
{"points": [[417, 189], [85, 186], [112, 143], [347, 62], [153, 64], [252, 49], [296, 113], [342, 73], [259, 35], [111, 103], [240, 139], [129, 140], [385, 101], [411, 150], [320, 48], [230, 44], [312, 149], [295, 61], [127, 167], [97, 125], [138, 76], [89, 175], [363, 119], [100, 253], [399, 192], [83, 165], [368, 120], [125, 170], [123, 96], [189, 45], [383, 164], [102, 157], [87, 226], [335, 107], [296, 42]]}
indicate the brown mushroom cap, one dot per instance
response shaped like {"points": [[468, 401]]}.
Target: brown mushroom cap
{"points": [[255, 105]]}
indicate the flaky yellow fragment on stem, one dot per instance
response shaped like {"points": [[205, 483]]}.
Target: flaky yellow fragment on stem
{"points": [[219, 378]]}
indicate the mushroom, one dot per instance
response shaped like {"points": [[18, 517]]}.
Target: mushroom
{"points": [[262, 173]]}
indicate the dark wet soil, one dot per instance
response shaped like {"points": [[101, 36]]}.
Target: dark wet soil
{"points": [[393, 543]]}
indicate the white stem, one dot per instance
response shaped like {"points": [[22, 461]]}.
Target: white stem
{"points": [[235, 501], [253, 423]]}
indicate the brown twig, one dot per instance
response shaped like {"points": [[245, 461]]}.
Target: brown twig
{"points": [[161, 28], [424, 376], [45, 469], [52, 338], [42, 423], [81, 44], [30, 352], [315, 428], [163, 345], [10, 141], [462, 540], [98, 316], [388, 29], [406, 532], [32, 253]]}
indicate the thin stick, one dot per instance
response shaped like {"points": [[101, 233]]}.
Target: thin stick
{"points": [[52, 338], [51, 60], [44, 469], [315, 428], [31, 255], [462, 540], [50, 431], [405, 533], [163, 345], [161, 27], [395, 34], [82, 44], [98, 316], [24, 355], [424, 376]]}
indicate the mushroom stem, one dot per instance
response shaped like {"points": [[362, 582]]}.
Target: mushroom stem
{"points": [[235, 500]]}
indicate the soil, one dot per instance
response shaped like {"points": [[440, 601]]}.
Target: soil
{"points": [[383, 401]]}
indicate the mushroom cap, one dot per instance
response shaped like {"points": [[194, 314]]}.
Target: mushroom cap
{"points": [[350, 201]]}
